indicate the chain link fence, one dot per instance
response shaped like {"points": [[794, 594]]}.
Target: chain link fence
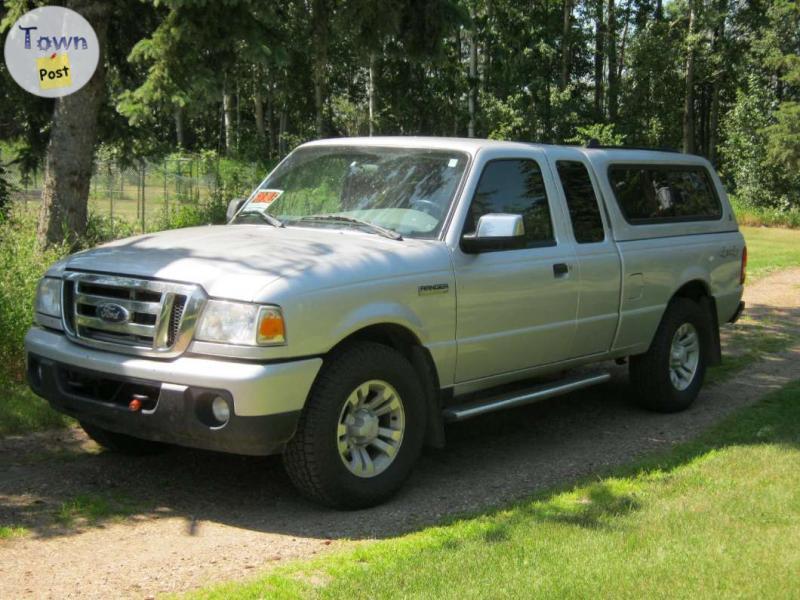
{"points": [[142, 193]]}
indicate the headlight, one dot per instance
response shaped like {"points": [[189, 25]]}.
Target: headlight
{"points": [[239, 323], [48, 297]]}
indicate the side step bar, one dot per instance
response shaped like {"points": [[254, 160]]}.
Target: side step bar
{"points": [[521, 397]]}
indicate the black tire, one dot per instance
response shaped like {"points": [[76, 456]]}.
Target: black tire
{"points": [[312, 457], [650, 372], [121, 443]]}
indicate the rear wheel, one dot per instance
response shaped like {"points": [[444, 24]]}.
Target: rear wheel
{"points": [[669, 375], [119, 442], [361, 430]]}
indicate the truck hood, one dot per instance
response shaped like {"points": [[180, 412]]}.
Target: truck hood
{"points": [[240, 262]]}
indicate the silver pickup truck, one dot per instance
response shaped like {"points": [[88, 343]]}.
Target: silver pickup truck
{"points": [[371, 290]]}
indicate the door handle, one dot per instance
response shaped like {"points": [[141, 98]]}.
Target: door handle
{"points": [[560, 270]]}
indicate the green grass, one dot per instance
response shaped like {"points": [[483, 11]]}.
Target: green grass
{"points": [[91, 509], [770, 249], [716, 517], [8, 532], [22, 411]]}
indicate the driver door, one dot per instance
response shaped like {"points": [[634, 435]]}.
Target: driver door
{"points": [[516, 308]]}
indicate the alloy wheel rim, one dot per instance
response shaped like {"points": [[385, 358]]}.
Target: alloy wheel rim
{"points": [[370, 428], [684, 356]]}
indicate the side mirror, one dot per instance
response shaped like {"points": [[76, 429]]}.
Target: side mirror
{"points": [[233, 207], [495, 232]]}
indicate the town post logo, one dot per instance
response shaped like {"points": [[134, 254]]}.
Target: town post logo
{"points": [[51, 51]]}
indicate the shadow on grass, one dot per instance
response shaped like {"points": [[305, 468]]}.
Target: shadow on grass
{"points": [[594, 503]]}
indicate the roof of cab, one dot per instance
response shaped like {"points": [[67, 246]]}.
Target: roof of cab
{"points": [[473, 145]]}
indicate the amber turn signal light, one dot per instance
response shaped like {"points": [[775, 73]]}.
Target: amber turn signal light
{"points": [[271, 328]]}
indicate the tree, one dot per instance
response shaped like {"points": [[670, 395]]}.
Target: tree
{"points": [[472, 77], [566, 29], [599, 59], [719, 63], [611, 45], [68, 164], [783, 57], [688, 99]]}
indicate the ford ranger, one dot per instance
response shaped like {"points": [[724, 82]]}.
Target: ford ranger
{"points": [[371, 290]]}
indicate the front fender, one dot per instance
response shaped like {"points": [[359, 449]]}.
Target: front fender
{"points": [[379, 313]]}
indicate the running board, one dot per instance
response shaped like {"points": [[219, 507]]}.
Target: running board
{"points": [[521, 397]]}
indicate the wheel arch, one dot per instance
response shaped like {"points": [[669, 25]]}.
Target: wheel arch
{"points": [[407, 343], [698, 290], [694, 289]]}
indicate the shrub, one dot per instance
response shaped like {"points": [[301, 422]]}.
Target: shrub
{"points": [[102, 228], [758, 216], [5, 190], [22, 264]]}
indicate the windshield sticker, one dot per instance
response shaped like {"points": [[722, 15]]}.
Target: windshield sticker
{"points": [[266, 197], [453, 162]]}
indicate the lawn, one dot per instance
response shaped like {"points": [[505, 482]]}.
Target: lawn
{"points": [[717, 517], [770, 249]]}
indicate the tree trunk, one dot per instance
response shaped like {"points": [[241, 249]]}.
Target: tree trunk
{"points": [[659, 12], [319, 44], [227, 119], [270, 120], [713, 126], [258, 105], [180, 137], [624, 41], [472, 99], [611, 49], [282, 132], [371, 93], [238, 130], [68, 163], [453, 99], [688, 105], [599, 60], [566, 27]]}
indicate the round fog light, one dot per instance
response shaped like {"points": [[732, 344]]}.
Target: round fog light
{"points": [[220, 410]]}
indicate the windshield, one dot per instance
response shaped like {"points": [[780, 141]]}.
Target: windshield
{"points": [[408, 191]]}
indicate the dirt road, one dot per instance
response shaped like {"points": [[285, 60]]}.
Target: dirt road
{"points": [[200, 518]]}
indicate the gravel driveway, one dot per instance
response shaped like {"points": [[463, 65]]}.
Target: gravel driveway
{"points": [[200, 518]]}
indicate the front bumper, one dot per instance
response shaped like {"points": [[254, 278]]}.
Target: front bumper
{"points": [[96, 387]]}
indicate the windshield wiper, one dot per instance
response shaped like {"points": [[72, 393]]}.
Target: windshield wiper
{"points": [[274, 221], [388, 233]]}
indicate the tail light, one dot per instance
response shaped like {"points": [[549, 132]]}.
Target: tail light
{"points": [[743, 274]]}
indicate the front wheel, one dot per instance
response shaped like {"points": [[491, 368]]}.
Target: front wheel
{"points": [[361, 430], [668, 377]]}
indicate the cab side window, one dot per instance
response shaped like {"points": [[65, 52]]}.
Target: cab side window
{"points": [[514, 186], [584, 210]]}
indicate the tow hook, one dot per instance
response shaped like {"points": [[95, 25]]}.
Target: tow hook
{"points": [[138, 401]]}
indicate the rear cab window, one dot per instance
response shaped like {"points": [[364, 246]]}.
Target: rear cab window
{"points": [[584, 209], [651, 194]]}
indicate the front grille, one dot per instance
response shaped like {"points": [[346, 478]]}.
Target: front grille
{"points": [[139, 316], [175, 319]]}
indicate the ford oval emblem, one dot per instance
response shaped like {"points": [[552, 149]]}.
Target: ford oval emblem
{"points": [[113, 313]]}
